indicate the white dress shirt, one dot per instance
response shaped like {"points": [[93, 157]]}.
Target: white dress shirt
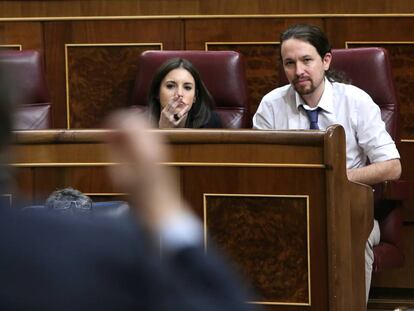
{"points": [[344, 104]]}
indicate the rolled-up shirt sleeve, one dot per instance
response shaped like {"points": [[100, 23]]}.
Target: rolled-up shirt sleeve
{"points": [[372, 135]]}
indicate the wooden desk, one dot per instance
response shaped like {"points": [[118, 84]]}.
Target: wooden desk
{"points": [[278, 203]]}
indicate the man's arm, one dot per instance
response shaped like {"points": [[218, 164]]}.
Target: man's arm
{"points": [[192, 279], [376, 172]]}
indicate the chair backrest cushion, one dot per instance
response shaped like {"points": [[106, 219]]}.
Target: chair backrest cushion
{"points": [[27, 89], [25, 70], [370, 69]]}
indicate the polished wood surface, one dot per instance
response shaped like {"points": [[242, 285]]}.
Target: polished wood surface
{"points": [[238, 182], [233, 224], [26, 8]]}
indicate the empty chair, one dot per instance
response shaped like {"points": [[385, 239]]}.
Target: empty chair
{"points": [[222, 72]]}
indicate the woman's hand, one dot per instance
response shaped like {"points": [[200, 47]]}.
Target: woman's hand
{"points": [[172, 116]]}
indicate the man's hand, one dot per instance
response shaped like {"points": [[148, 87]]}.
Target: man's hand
{"points": [[139, 152]]}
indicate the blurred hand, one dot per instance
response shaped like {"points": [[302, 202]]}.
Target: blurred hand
{"points": [[139, 152]]}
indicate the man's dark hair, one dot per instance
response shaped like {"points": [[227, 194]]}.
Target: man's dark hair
{"points": [[200, 112], [69, 200], [314, 36]]}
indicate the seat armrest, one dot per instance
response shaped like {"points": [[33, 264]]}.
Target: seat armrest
{"points": [[395, 190]]}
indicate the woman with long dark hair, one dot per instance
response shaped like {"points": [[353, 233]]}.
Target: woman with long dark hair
{"points": [[178, 97]]}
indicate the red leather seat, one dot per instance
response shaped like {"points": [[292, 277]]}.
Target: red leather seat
{"points": [[370, 69], [27, 88], [223, 73]]}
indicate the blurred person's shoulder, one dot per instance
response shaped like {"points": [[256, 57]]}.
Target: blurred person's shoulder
{"points": [[68, 233]]}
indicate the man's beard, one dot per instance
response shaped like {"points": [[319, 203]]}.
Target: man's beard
{"points": [[304, 89]]}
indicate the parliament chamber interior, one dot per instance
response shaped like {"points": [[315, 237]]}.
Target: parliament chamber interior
{"points": [[277, 203]]}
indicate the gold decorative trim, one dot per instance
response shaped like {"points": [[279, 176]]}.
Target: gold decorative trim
{"points": [[113, 44], [206, 44], [407, 140], [205, 195], [197, 16], [187, 164], [376, 42], [68, 45], [12, 46]]}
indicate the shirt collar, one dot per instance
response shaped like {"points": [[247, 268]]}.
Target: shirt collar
{"points": [[326, 101]]}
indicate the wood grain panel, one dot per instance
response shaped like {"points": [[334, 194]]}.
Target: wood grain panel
{"points": [[57, 34], [302, 6], [23, 186], [341, 30], [199, 31], [27, 34], [275, 257], [85, 179], [100, 79], [12, 8], [262, 181]]}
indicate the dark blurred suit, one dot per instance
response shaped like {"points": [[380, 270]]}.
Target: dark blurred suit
{"points": [[75, 264]]}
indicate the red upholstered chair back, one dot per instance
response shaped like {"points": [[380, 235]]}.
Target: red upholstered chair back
{"points": [[26, 86], [222, 72], [370, 69]]}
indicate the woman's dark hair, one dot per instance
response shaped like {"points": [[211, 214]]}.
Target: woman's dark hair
{"points": [[314, 36], [200, 112]]}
